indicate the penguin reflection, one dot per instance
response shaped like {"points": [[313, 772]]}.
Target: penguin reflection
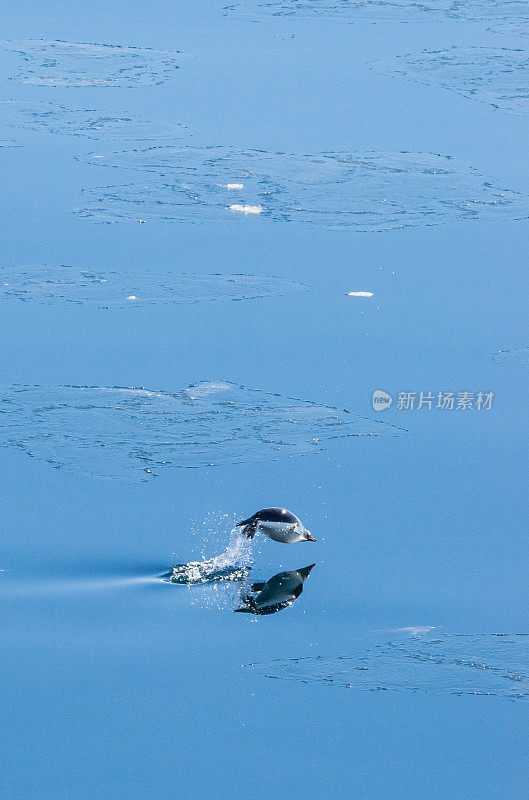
{"points": [[277, 593]]}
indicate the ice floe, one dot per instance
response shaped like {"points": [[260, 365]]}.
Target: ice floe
{"points": [[131, 433], [113, 288], [64, 64], [368, 191]]}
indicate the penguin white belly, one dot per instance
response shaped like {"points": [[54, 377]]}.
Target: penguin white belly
{"points": [[284, 532]]}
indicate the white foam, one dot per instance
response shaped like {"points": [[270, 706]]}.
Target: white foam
{"points": [[359, 294], [231, 186]]}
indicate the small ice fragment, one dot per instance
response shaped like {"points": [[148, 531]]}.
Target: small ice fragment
{"points": [[132, 297], [359, 294], [415, 630], [246, 209], [231, 185]]}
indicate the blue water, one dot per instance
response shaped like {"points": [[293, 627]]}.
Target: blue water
{"points": [[368, 164]]}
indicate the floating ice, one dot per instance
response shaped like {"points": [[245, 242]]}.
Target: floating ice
{"points": [[416, 630], [113, 289], [498, 76], [510, 16], [35, 115], [456, 664], [58, 63], [348, 10], [127, 433], [246, 209], [370, 191], [498, 16], [518, 356]]}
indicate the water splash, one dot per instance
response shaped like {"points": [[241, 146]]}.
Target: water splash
{"points": [[367, 191], [233, 564], [66, 64], [476, 664]]}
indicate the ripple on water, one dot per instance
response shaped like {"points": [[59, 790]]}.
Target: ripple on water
{"points": [[369, 191], [129, 433], [498, 76], [35, 115], [510, 16], [65, 64], [456, 664], [113, 289]]}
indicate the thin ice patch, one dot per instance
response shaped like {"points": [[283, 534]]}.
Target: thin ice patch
{"points": [[112, 289], [131, 433], [465, 664], [497, 76], [67, 64], [499, 17], [91, 123], [517, 356], [369, 191]]}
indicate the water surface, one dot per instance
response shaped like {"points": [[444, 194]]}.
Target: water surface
{"points": [[400, 670]]}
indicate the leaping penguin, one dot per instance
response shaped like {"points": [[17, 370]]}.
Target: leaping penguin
{"points": [[277, 523]]}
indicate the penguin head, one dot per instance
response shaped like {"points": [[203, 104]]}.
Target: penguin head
{"points": [[307, 537]]}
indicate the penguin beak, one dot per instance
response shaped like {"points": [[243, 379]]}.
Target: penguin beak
{"points": [[305, 572], [310, 538]]}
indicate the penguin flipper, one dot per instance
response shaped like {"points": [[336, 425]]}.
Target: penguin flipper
{"points": [[249, 606], [250, 528], [258, 587]]}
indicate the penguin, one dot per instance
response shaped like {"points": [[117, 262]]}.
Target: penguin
{"points": [[277, 593], [277, 523]]}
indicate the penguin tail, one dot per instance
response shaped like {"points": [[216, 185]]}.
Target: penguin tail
{"points": [[249, 527]]}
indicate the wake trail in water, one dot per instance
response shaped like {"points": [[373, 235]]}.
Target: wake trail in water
{"points": [[52, 588], [233, 564]]}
